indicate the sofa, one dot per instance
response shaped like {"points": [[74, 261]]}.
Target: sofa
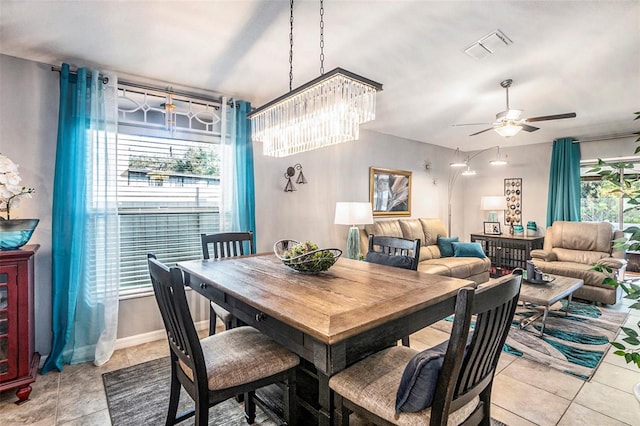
{"points": [[431, 260], [572, 248]]}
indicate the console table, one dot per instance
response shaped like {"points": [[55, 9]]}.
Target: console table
{"points": [[18, 359], [507, 252]]}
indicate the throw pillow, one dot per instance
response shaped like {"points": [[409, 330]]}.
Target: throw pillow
{"points": [[419, 379], [468, 250], [405, 262], [444, 244]]}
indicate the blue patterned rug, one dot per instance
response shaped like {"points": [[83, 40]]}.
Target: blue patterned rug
{"points": [[574, 344]]}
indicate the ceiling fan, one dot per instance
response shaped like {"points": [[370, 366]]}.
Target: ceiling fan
{"points": [[508, 122]]}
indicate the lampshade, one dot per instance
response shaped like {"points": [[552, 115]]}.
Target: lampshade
{"points": [[492, 202], [325, 111], [353, 213], [508, 129]]}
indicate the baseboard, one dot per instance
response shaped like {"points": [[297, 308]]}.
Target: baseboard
{"points": [[139, 339], [152, 336]]}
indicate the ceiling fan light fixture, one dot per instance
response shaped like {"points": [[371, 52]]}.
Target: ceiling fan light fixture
{"points": [[508, 129]]}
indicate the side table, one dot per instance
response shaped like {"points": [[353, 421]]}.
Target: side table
{"points": [[507, 252], [18, 359]]}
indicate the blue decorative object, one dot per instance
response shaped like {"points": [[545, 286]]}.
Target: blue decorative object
{"points": [[468, 250], [16, 232], [444, 245]]}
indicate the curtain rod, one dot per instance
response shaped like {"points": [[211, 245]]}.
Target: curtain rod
{"points": [[607, 138], [136, 85], [103, 79]]}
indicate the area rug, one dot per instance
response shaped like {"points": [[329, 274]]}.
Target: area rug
{"points": [[574, 344], [139, 395]]}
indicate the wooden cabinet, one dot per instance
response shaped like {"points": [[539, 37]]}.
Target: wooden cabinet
{"points": [[18, 359], [507, 252]]}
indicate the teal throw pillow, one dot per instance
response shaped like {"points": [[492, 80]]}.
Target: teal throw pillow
{"points": [[468, 250], [444, 244]]}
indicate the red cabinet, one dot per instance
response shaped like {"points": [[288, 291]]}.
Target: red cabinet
{"points": [[18, 359]]}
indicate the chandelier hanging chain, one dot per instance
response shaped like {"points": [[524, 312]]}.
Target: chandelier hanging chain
{"points": [[321, 37], [291, 47]]}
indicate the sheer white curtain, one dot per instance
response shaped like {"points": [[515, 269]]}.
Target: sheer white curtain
{"points": [[228, 181]]}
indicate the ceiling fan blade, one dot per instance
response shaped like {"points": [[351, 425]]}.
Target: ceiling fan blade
{"points": [[470, 124], [481, 131], [528, 128], [551, 117]]}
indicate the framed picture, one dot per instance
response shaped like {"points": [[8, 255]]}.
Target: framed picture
{"points": [[390, 192], [492, 228]]}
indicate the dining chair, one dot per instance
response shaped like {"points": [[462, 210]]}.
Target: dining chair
{"points": [[218, 367], [447, 384], [396, 252], [225, 244]]}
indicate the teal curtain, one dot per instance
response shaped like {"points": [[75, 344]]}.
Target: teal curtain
{"points": [[85, 249], [564, 182], [244, 169]]}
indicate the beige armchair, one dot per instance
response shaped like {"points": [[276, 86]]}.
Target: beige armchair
{"points": [[572, 248]]}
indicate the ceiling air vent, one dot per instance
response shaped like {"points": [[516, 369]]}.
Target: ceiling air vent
{"points": [[488, 44]]}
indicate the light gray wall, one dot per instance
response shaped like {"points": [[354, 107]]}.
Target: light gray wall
{"points": [[28, 131]]}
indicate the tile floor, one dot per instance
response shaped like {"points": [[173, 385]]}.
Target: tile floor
{"points": [[524, 393]]}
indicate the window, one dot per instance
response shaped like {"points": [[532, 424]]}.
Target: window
{"points": [[600, 200], [168, 185]]}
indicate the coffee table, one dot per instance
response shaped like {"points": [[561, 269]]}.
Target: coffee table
{"points": [[546, 295]]}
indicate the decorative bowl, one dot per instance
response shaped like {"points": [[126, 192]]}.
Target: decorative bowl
{"points": [[15, 233], [311, 262]]}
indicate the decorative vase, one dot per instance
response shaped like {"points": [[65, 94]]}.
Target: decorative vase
{"points": [[636, 391], [15, 233]]}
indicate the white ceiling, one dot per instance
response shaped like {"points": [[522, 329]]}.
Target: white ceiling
{"points": [[566, 56]]}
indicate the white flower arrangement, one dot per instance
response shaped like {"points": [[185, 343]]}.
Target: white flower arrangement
{"points": [[10, 188]]}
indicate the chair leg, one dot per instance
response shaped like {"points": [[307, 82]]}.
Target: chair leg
{"points": [[174, 397], [212, 321], [290, 401], [202, 412], [405, 341], [341, 412], [249, 407]]}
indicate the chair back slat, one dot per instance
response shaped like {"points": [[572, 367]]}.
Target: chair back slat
{"points": [[168, 288], [227, 244]]}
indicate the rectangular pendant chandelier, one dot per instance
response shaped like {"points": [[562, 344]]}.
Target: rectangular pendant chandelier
{"points": [[326, 111]]}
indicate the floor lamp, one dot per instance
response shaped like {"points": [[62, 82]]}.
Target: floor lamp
{"points": [[354, 214]]}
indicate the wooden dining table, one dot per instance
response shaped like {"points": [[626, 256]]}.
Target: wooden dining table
{"points": [[331, 319]]}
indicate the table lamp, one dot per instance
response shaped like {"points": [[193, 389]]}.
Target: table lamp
{"points": [[493, 203], [354, 214]]}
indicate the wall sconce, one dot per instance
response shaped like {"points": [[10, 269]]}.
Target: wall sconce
{"points": [[291, 171]]}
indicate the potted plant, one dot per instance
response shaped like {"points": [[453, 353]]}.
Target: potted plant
{"points": [[14, 233], [629, 188]]}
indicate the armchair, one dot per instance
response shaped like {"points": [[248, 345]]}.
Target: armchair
{"points": [[572, 248]]}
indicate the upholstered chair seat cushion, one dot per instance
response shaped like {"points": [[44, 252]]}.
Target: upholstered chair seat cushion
{"points": [[374, 381], [241, 355]]}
